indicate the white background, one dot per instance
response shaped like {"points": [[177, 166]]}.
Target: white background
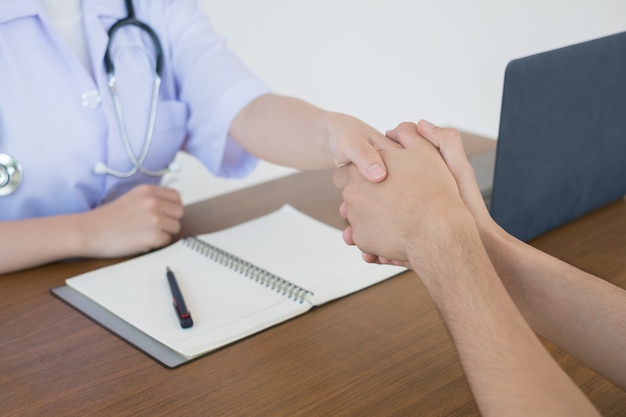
{"points": [[387, 61]]}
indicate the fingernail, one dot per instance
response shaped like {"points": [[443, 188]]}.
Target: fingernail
{"points": [[376, 171], [427, 124]]}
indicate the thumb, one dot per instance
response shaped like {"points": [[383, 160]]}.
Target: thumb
{"points": [[369, 162]]}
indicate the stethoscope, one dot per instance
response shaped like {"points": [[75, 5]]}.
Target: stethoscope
{"points": [[10, 169], [138, 161], [10, 174]]}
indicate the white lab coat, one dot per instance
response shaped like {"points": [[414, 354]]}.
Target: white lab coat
{"points": [[58, 122]]}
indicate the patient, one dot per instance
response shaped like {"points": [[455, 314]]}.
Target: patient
{"points": [[492, 290]]}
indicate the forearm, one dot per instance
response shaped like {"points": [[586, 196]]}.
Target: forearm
{"points": [[508, 369], [582, 314], [286, 131], [38, 241], [145, 218]]}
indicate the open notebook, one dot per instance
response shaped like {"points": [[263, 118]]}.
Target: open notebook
{"points": [[236, 282]]}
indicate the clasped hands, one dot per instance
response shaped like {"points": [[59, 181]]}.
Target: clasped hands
{"points": [[430, 193]]}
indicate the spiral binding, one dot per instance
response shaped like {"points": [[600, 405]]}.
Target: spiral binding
{"points": [[248, 269]]}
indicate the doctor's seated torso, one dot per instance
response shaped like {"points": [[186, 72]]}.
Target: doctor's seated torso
{"points": [[71, 140], [97, 98]]}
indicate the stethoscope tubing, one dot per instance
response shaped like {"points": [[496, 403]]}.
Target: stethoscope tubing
{"points": [[131, 21], [137, 162]]}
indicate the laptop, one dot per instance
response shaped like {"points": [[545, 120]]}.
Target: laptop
{"points": [[561, 149]]}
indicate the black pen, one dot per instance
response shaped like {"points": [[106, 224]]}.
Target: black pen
{"points": [[184, 316]]}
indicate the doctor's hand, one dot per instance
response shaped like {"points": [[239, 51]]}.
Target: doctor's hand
{"points": [[352, 141], [294, 133], [143, 219]]}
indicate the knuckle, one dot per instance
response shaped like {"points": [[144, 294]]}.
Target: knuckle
{"points": [[453, 134], [176, 228]]}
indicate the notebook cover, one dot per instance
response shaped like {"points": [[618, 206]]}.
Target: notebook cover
{"points": [[119, 327]]}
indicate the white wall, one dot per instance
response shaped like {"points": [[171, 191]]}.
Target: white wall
{"points": [[386, 61]]}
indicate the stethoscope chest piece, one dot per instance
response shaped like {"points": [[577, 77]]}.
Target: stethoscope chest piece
{"points": [[10, 174]]}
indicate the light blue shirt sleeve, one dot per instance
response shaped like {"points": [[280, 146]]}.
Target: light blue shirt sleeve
{"points": [[214, 83]]}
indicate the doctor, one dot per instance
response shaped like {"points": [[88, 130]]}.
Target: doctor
{"points": [[83, 144]]}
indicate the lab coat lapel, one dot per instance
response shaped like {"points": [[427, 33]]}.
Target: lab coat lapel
{"points": [[16, 9]]}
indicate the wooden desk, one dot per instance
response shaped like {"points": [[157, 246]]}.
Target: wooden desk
{"points": [[381, 351]]}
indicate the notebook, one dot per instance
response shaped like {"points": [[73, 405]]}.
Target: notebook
{"points": [[561, 149], [236, 282]]}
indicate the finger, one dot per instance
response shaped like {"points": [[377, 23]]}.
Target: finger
{"points": [[450, 144], [402, 126], [171, 209], [343, 210], [160, 240], [160, 203], [448, 141], [383, 261], [429, 131], [340, 177], [369, 258], [405, 134], [169, 225], [166, 193], [384, 143], [347, 236]]}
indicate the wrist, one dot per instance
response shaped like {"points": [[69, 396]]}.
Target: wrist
{"points": [[464, 280], [337, 128], [452, 246], [508, 255], [83, 245], [330, 123]]}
